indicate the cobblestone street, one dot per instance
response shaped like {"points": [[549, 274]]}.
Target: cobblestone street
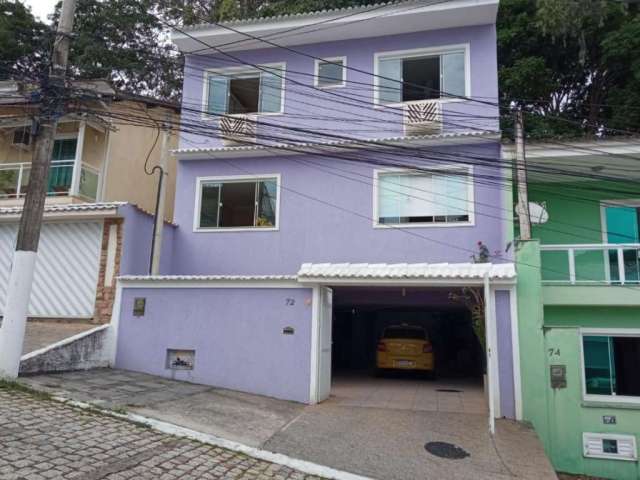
{"points": [[42, 439]]}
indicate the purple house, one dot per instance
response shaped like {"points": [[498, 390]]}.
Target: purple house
{"points": [[336, 172]]}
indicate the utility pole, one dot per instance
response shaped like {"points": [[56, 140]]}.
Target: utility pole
{"points": [[24, 260], [521, 174], [156, 246]]}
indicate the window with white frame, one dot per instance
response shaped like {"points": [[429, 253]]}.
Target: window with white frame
{"points": [[418, 197], [421, 76], [611, 364], [245, 91], [331, 72], [237, 203]]}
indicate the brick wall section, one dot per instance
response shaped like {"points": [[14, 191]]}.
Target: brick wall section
{"points": [[106, 294]]}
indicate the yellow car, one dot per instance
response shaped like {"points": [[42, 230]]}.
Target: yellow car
{"points": [[405, 347]]}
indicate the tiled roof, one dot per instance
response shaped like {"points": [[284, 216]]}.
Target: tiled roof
{"points": [[337, 143], [68, 207], [274, 18], [406, 271]]}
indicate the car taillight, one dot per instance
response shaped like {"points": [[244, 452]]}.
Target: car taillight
{"points": [[382, 347], [427, 348]]}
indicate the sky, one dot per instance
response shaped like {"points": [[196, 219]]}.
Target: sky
{"points": [[41, 8]]}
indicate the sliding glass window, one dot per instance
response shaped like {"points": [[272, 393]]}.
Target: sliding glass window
{"points": [[238, 204]]}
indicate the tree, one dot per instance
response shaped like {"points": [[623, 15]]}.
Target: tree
{"points": [[125, 42], [24, 41], [554, 61]]}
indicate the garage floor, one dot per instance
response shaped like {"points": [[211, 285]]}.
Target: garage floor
{"points": [[415, 394], [376, 432]]}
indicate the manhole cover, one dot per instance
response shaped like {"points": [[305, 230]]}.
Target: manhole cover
{"points": [[448, 390], [446, 450]]}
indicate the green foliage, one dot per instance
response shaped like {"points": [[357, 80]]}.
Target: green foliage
{"points": [[473, 300], [123, 41], [23, 40], [573, 65], [564, 61]]}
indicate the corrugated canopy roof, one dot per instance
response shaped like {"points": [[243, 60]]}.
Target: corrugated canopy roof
{"points": [[406, 271]]}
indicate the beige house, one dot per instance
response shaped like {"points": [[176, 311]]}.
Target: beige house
{"points": [[98, 216], [99, 153]]}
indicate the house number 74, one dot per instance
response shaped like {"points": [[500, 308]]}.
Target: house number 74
{"points": [[289, 302], [554, 351]]}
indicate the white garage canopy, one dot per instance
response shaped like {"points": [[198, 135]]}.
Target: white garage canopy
{"points": [[67, 268], [422, 273]]}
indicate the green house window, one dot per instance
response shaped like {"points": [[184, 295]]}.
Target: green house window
{"points": [[611, 365]]}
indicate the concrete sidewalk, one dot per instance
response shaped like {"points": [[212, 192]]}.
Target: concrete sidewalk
{"points": [[382, 443]]}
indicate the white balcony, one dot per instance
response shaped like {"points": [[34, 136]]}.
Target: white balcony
{"points": [[591, 264], [14, 178]]}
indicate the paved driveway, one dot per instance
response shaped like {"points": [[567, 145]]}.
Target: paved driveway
{"points": [[372, 440]]}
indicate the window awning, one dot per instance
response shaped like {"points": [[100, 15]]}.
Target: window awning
{"points": [[406, 273]]}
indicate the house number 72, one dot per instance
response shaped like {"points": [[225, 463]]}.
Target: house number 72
{"points": [[289, 302]]}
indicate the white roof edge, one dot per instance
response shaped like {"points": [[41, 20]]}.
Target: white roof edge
{"points": [[313, 15], [302, 148], [355, 271], [66, 208], [342, 24], [574, 148], [300, 17], [203, 278], [407, 271]]}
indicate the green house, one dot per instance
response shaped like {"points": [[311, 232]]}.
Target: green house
{"points": [[579, 305]]}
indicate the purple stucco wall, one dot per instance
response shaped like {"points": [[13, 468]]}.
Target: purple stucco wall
{"points": [[328, 111], [136, 242], [505, 353], [236, 332], [326, 210]]}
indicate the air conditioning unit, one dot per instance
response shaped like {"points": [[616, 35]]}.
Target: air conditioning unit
{"points": [[610, 445], [423, 118], [238, 129], [21, 138]]}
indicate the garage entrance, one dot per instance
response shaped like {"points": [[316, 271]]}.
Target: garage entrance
{"points": [[407, 348], [372, 297]]}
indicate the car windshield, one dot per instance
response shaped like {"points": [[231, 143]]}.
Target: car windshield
{"points": [[405, 332]]}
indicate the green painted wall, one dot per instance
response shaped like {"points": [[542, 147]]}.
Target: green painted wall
{"points": [[569, 417], [575, 217], [574, 209], [532, 350], [549, 336]]}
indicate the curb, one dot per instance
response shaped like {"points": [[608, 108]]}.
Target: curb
{"points": [[304, 466]]}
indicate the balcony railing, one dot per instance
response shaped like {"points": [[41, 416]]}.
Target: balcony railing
{"points": [[14, 178], [612, 264]]}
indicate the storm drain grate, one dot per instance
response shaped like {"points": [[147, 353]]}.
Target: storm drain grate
{"points": [[448, 390], [446, 450]]}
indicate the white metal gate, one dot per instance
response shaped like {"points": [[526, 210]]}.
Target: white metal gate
{"points": [[67, 268]]}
